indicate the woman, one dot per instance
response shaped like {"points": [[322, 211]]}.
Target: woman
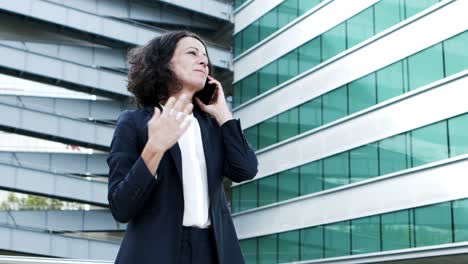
{"points": [[167, 163]]}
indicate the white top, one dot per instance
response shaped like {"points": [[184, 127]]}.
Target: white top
{"points": [[194, 177]]}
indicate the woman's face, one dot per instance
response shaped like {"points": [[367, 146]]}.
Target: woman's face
{"points": [[190, 64]]}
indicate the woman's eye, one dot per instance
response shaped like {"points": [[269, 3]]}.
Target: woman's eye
{"points": [[192, 52]]}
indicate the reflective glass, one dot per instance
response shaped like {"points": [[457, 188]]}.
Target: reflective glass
{"points": [[336, 170], [365, 235], [337, 239]]}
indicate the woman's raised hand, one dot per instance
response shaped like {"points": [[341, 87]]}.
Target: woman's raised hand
{"points": [[165, 129]]}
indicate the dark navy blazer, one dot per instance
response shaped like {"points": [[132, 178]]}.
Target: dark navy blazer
{"points": [[153, 208]]}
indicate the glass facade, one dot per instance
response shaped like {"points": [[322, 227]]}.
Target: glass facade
{"points": [[417, 227], [434, 142], [422, 68], [358, 28], [269, 23]]}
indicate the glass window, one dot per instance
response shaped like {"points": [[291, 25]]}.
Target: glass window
{"points": [[337, 239], [249, 250], [456, 54], [288, 184], [365, 235], [267, 251], [250, 35], [413, 7], [268, 77], [237, 94], [288, 246], [268, 134], [287, 12], [305, 6], [310, 54], [335, 104], [312, 243], [425, 67], [395, 230], [237, 44], [362, 93], [248, 196], [336, 170], [387, 14], [288, 66], [333, 41], [251, 135], [311, 178], [235, 199], [393, 154], [433, 225], [460, 223], [360, 27], [429, 143], [268, 23], [458, 127], [390, 82], [288, 124], [267, 190], [364, 162], [310, 115], [249, 87]]}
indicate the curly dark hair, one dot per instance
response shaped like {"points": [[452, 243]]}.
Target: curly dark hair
{"points": [[150, 78]]}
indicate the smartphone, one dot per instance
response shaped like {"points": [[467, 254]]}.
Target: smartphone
{"points": [[207, 94]]}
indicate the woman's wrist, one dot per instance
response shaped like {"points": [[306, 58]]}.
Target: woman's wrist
{"points": [[223, 117]]}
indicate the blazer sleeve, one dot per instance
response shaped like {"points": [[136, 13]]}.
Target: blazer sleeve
{"points": [[130, 181], [240, 162]]}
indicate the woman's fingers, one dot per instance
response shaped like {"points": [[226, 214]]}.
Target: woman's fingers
{"points": [[188, 109]]}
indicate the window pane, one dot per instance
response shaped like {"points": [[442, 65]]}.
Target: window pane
{"points": [[311, 177], [288, 246], [305, 6], [288, 184], [287, 12], [366, 235], [429, 144], [312, 243], [288, 66], [268, 23], [249, 87], [433, 225], [395, 230], [249, 250], [335, 105], [248, 196], [251, 134], [456, 54], [393, 154], [460, 223], [267, 190], [235, 199], [390, 82], [250, 35], [387, 14], [337, 239], [238, 44], [288, 124], [333, 41], [336, 171], [364, 163], [360, 27], [415, 6], [268, 132], [310, 115], [237, 94], [425, 67], [267, 249], [309, 54], [268, 77], [458, 127], [362, 93]]}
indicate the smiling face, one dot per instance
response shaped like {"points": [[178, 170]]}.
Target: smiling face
{"points": [[190, 64]]}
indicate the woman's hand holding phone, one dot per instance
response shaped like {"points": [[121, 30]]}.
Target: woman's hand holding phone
{"points": [[218, 107]]}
